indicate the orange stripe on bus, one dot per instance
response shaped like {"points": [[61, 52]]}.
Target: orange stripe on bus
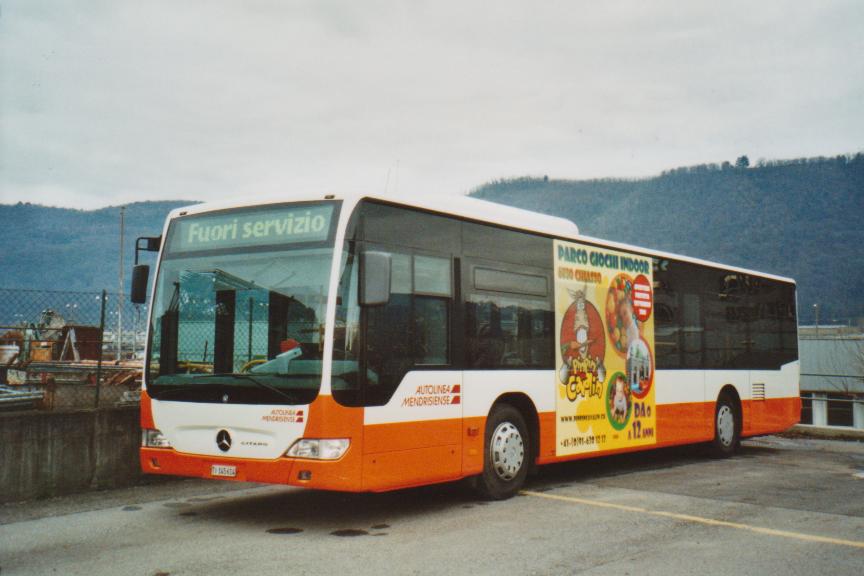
{"points": [[687, 423], [770, 415], [407, 468], [329, 419], [406, 435], [146, 411], [399, 455]]}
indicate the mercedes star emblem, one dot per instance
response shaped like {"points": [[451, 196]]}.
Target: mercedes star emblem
{"points": [[223, 440]]}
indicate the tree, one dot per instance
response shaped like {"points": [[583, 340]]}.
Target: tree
{"points": [[742, 162]]}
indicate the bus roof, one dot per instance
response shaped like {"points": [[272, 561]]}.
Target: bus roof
{"points": [[474, 209], [462, 206]]}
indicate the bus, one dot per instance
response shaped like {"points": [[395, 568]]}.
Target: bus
{"points": [[371, 343]]}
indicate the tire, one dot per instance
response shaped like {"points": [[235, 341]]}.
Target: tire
{"points": [[507, 454], [727, 428]]}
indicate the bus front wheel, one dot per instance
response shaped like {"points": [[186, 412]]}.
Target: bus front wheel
{"points": [[507, 456], [727, 426]]}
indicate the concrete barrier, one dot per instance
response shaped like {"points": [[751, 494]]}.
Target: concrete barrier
{"points": [[827, 432], [45, 454]]}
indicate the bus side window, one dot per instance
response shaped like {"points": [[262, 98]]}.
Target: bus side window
{"points": [[412, 331], [667, 332], [485, 338], [785, 302], [346, 382], [714, 319], [389, 347], [726, 321], [679, 330], [773, 329], [413, 328], [691, 316], [508, 321]]}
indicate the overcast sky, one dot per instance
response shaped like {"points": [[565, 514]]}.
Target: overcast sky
{"points": [[114, 101]]}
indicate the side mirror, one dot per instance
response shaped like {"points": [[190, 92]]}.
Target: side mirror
{"points": [[147, 244], [140, 276], [374, 278]]}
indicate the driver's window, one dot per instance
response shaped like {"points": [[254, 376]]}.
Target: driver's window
{"points": [[413, 328]]}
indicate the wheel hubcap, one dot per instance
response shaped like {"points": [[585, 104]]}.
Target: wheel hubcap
{"points": [[725, 425], [508, 451]]}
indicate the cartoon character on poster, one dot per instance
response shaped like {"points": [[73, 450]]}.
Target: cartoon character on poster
{"points": [[618, 401], [583, 347]]}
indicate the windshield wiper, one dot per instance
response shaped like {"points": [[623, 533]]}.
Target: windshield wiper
{"points": [[248, 378]]}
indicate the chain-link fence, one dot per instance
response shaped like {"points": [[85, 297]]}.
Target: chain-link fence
{"points": [[69, 350]]}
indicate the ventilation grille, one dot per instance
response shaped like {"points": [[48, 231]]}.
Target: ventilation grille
{"points": [[757, 390]]}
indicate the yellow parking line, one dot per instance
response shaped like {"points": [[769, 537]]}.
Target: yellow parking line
{"points": [[699, 520]]}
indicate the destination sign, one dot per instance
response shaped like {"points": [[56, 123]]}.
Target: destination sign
{"points": [[303, 223]]}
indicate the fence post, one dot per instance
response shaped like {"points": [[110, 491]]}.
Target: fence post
{"points": [[101, 346], [249, 330], [820, 409], [858, 412]]}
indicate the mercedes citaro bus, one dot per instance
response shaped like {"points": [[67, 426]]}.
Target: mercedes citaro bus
{"points": [[368, 343]]}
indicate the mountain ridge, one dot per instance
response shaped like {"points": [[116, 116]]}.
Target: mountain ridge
{"points": [[796, 218]]}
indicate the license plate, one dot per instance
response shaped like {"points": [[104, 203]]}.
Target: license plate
{"points": [[222, 470]]}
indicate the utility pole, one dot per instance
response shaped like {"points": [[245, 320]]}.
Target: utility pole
{"points": [[816, 311], [119, 338]]}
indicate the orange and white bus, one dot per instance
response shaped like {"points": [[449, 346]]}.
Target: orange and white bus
{"points": [[367, 343]]}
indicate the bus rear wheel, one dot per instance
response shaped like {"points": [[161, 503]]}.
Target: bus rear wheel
{"points": [[727, 427], [507, 454]]}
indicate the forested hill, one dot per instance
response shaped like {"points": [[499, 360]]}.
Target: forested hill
{"points": [[800, 218], [64, 249]]}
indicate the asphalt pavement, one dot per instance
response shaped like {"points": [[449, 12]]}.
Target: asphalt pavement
{"points": [[783, 506]]}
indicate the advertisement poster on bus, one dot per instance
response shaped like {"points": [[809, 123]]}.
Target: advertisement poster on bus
{"points": [[604, 339]]}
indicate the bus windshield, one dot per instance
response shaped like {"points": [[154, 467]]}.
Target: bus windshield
{"points": [[241, 321]]}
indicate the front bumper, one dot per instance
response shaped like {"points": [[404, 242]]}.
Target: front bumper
{"points": [[343, 474]]}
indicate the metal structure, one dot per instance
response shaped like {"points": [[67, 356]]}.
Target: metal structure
{"points": [[55, 351]]}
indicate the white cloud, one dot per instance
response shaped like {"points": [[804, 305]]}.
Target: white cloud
{"points": [[102, 103]]}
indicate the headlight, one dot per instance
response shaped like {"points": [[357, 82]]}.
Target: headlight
{"points": [[151, 438], [319, 449]]}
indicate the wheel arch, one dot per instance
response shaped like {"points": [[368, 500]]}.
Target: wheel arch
{"points": [[526, 407], [729, 391]]}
